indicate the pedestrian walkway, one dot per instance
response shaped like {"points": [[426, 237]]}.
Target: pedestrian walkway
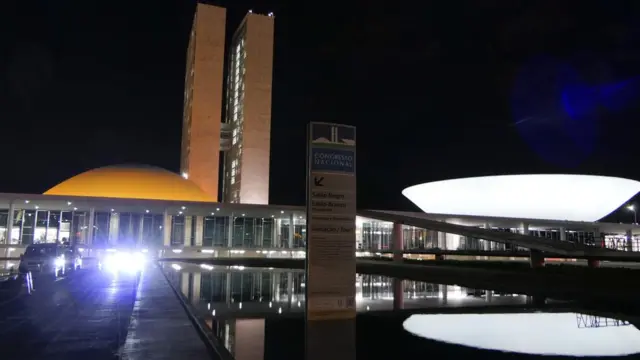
{"points": [[160, 328]]}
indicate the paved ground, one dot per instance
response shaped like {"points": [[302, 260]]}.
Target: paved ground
{"points": [[95, 315], [85, 315]]}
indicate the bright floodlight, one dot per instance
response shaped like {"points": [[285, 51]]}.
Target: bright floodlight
{"points": [[125, 262], [564, 334], [59, 261], [631, 208], [551, 197]]}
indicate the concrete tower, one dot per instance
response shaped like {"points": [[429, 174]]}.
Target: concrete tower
{"points": [[199, 161], [248, 118]]}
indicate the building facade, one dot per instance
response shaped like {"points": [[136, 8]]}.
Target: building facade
{"points": [[200, 153], [109, 222], [245, 135], [246, 174]]}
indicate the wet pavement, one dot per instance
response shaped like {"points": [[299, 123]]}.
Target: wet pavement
{"points": [[96, 315], [160, 327], [85, 314]]}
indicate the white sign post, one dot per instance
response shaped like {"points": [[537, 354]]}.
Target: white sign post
{"points": [[331, 222]]}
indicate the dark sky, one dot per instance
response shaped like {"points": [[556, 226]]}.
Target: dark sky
{"points": [[85, 84]]}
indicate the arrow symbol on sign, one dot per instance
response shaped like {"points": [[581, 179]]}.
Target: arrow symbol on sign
{"points": [[317, 181]]}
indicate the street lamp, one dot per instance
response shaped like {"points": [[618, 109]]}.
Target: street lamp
{"points": [[635, 214]]}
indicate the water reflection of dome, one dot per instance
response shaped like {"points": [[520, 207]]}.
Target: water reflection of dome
{"points": [[564, 334]]}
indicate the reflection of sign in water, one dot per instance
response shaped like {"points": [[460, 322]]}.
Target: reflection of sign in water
{"points": [[331, 215]]}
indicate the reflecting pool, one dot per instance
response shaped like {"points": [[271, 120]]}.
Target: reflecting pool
{"points": [[258, 313]]}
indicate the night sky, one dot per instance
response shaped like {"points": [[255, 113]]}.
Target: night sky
{"points": [[430, 87]]}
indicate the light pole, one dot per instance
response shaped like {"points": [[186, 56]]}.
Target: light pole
{"points": [[635, 215]]}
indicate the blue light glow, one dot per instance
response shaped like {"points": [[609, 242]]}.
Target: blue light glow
{"points": [[558, 114]]}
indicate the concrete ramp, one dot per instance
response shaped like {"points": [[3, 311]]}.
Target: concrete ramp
{"points": [[526, 241]]}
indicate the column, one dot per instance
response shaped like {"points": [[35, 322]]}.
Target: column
{"points": [[90, 225], [444, 293], [289, 289], [441, 244], [629, 240], [398, 294], [230, 231], [277, 239], [442, 240], [397, 242], [166, 228], [188, 224], [130, 227], [488, 295], [536, 258], [563, 234], [195, 288], [594, 263], [59, 226], [46, 232], [227, 287], [114, 228], [292, 229], [199, 230], [141, 231], [487, 245], [12, 210], [184, 284]]}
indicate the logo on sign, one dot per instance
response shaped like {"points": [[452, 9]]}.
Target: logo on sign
{"points": [[333, 134]]}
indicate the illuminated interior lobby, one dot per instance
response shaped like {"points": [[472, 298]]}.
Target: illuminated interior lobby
{"points": [[149, 207]]}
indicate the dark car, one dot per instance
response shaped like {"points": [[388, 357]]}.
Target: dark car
{"points": [[51, 259]]}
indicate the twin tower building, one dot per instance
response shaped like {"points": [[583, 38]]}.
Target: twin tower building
{"points": [[228, 127]]}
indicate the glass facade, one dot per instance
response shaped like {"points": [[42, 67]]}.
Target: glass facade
{"points": [[39, 226], [130, 228], [48, 226], [376, 235], [147, 229]]}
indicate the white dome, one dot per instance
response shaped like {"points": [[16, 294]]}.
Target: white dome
{"points": [[550, 197]]}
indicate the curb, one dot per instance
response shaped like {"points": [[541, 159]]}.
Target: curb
{"points": [[215, 348]]}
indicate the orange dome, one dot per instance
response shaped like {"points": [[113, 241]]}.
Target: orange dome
{"points": [[131, 182]]}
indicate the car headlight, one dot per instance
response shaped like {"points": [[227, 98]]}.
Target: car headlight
{"points": [[59, 262], [124, 261]]}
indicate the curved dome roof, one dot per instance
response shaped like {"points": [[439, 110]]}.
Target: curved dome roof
{"points": [[540, 196], [131, 182]]}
